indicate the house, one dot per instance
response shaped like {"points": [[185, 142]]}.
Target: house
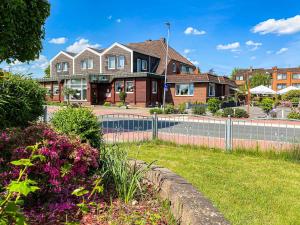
{"points": [[99, 75], [280, 77]]}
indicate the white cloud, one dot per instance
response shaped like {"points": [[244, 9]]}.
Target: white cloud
{"points": [[281, 51], [58, 41], [109, 17], [269, 52], [193, 31], [254, 45], [81, 44], [118, 20], [253, 57], [282, 26], [232, 46], [187, 51], [196, 63]]}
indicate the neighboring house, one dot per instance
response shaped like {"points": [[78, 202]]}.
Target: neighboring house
{"points": [[98, 75], [280, 77]]}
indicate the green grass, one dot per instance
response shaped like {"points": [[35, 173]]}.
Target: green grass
{"points": [[247, 188]]}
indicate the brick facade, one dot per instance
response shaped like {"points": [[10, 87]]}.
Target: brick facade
{"points": [[87, 54], [62, 58]]}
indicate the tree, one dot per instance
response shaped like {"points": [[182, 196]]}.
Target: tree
{"points": [[122, 96], [260, 79], [22, 29], [68, 92], [47, 72], [234, 72]]}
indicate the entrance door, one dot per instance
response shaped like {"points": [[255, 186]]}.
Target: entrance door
{"points": [[94, 94]]}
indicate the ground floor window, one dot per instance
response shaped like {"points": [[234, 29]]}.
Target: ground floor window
{"points": [[184, 89], [129, 86], [297, 85], [80, 87], [281, 86], [118, 86], [154, 87], [212, 89], [55, 89]]}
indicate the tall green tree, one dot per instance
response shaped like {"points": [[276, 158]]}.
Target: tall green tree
{"points": [[234, 72], [22, 29], [47, 72], [258, 79]]}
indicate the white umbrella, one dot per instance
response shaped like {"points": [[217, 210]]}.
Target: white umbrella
{"points": [[262, 90], [285, 90]]}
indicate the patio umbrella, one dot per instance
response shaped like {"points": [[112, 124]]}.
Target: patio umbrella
{"points": [[285, 90], [262, 90]]}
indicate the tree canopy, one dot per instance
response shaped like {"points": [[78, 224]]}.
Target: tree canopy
{"points": [[258, 79], [22, 29], [47, 72]]}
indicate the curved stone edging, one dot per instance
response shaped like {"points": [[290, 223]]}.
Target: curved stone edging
{"points": [[188, 206]]}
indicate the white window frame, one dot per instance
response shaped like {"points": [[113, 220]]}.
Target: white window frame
{"points": [[80, 86], [65, 66], [58, 67], [189, 90], [297, 85], [118, 62], [239, 77], [55, 88], [281, 85], [174, 67], [114, 64], [144, 64], [138, 65], [122, 84], [126, 85], [154, 87], [213, 86], [298, 76], [281, 75]]}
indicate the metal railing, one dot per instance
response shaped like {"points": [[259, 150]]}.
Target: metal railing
{"points": [[202, 131]]}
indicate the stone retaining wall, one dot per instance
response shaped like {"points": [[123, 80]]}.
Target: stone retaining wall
{"points": [[188, 206]]}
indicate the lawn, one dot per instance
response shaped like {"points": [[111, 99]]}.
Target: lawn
{"points": [[246, 188]]}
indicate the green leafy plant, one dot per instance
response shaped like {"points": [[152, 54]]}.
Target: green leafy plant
{"points": [[123, 96], [267, 104], [21, 100], [10, 203], [119, 104], [107, 104], [228, 112], [80, 122], [68, 92], [259, 78], [290, 95], [294, 115], [199, 110], [181, 108], [156, 110], [214, 105], [169, 109], [240, 113]]}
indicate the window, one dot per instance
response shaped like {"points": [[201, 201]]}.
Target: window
{"points": [[65, 66], [118, 86], [111, 62], [240, 77], [191, 71], [154, 87], [174, 68], [281, 76], [144, 64], [211, 89], [80, 86], [121, 62], [184, 89], [86, 64], [129, 86], [296, 76], [186, 69], [58, 67], [297, 85], [281, 86], [55, 89], [138, 65]]}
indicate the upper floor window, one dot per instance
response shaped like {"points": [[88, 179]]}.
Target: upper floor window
{"points": [[138, 65], [129, 86], [144, 64], [111, 62], [211, 89], [63, 66], [118, 86], [121, 61], [240, 77], [281, 76], [296, 76], [186, 69], [154, 87], [86, 64], [297, 85], [281, 86], [184, 89], [174, 68]]}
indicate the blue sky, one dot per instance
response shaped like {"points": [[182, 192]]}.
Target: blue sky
{"points": [[212, 34]]}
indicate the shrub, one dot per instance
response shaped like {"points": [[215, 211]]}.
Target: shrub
{"points": [[228, 112], [240, 113], [169, 109], [123, 96], [291, 94], [219, 113], [78, 121], [119, 104], [21, 100], [267, 104], [295, 101], [294, 115], [156, 110], [107, 104], [213, 105], [199, 110], [181, 108]]}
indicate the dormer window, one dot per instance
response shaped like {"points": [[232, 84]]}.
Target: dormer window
{"points": [[63, 66], [111, 62], [138, 65], [144, 64], [174, 68], [86, 64], [58, 67], [121, 61]]}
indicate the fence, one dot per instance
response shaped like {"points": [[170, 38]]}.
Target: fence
{"points": [[202, 131]]}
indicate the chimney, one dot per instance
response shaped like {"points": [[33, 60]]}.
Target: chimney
{"points": [[163, 40]]}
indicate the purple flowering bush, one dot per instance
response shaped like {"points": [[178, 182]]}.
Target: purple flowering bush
{"points": [[68, 164]]}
